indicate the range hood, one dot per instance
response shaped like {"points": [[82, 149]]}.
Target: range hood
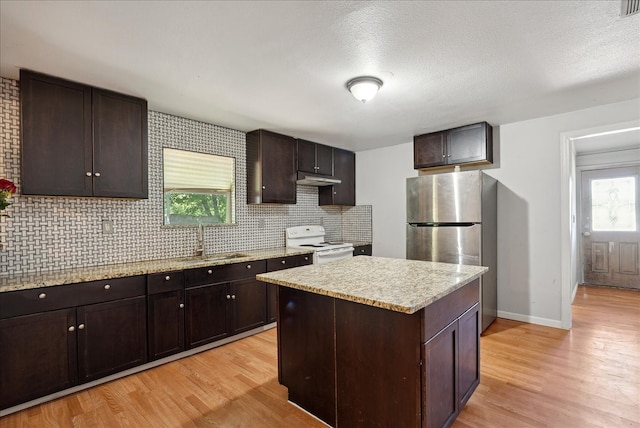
{"points": [[316, 180]]}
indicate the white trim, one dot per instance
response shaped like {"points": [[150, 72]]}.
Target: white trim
{"points": [[531, 319], [567, 154], [575, 291]]}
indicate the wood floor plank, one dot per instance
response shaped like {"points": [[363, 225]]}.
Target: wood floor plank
{"points": [[531, 376]]}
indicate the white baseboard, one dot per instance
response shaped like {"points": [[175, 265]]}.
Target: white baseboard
{"points": [[530, 319], [575, 290]]}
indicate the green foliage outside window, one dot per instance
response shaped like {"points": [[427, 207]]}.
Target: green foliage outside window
{"points": [[195, 208]]}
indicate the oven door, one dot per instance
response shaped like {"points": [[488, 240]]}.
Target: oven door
{"points": [[326, 256]]}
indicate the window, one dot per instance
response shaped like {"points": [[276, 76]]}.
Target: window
{"points": [[613, 204], [199, 188]]}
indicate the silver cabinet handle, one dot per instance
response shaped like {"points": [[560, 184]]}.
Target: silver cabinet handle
{"points": [[306, 258], [181, 305], [228, 296], [167, 278], [72, 328], [97, 174], [283, 262], [443, 156], [107, 287], [264, 187], [209, 271], [233, 297], [81, 327], [42, 295], [248, 266], [88, 174]]}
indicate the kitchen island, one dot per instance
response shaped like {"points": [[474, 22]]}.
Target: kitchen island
{"points": [[371, 341]]}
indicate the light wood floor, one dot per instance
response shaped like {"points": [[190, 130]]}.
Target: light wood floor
{"points": [[532, 376]]}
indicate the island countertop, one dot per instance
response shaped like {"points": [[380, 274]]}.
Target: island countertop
{"points": [[395, 284]]}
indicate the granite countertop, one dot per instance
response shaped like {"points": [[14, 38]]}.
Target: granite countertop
{"points": [[395, 284], [70, 276]]}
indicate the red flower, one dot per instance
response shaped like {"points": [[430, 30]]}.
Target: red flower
{"points": [[7, 186]]}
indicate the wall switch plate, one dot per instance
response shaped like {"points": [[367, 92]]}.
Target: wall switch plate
{"points": [[107, 226]]}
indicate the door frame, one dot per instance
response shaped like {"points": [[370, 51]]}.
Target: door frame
{"points": [[569, 251]]}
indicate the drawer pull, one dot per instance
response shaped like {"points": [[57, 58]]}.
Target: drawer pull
{"points": [[81, 327], [248, 266], [283, 262], [167, 278], [72, 328], [42, 295], [107, 287], [210, 271], [306, 258], [181, 305]]}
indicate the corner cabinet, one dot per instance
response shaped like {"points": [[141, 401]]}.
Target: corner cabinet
{"points": [[271, 168], [77, 140], [344, 168], [470, 144]]}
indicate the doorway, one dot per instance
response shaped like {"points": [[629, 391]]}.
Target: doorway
{"points": [[610, 232]]}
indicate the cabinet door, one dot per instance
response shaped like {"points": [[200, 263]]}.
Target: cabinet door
{"points": [[56, 150], [111, 337], [306, 156], [120, 145], [468, 144], [468, 354], [249, 299], [206, 314], [324, 159], [429, 150], [440, 398], [166, 324], [271, 168], [344, 168], [37, 356]]}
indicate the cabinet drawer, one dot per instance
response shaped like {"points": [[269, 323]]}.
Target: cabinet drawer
{"points": [[289, 262], [442, 312], [34, 300], [223, 273], [167, 281], [363, 250]]}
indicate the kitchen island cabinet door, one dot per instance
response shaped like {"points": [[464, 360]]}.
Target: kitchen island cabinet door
{"points": [[206, 314], [440, 393], [112, 337], [119, 145], [166, 324], [37, 356], [468, 354], [249, 301]]}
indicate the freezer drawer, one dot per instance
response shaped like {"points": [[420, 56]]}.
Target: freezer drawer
{"points": [[447, 244]]}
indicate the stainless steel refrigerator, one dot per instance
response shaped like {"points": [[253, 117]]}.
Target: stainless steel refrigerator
{"points": [[452, 218]]}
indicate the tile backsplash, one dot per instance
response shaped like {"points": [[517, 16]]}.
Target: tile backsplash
{"points": [[51, 233]]}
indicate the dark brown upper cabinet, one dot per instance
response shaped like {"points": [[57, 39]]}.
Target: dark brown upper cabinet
{"points": [[315, 158], [271, 168], [462, 145], [81, 141], [344, 168]]}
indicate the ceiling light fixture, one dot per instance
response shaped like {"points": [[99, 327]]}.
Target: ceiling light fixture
{"points": [[364, 88]]}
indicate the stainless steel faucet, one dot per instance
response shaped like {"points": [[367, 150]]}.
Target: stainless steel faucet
{"points": [[200, 249]]}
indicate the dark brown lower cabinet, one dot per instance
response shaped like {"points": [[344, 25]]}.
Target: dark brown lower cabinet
{"points": [[248, 305], [272, 290], [50, 351], [356, 365], [165, 312], [38, 356], [363, 250]]}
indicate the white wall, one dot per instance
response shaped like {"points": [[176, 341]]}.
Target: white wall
{"points": [[529, 214], [381, 182]]}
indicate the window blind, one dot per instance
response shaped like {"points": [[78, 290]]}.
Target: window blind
{"points": [[190, 171]]}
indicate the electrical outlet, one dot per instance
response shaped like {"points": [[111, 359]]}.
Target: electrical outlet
{"points": [[107, 226]]}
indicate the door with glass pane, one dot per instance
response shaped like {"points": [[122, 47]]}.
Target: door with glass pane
{"points": [[610, 227]]}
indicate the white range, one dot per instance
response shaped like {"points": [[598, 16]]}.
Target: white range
{"points": [[313, 237]]}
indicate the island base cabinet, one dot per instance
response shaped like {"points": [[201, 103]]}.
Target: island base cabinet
{"points": [[101, 327], [37, 356]]}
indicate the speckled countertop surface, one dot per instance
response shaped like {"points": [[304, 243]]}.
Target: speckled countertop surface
{"points": [[395, 284], [70, 276]]}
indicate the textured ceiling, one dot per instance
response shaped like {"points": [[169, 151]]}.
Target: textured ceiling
{"points": [[283, 65]]}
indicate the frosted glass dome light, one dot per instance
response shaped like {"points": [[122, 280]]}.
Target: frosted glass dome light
{"points": [[364, 88]]}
